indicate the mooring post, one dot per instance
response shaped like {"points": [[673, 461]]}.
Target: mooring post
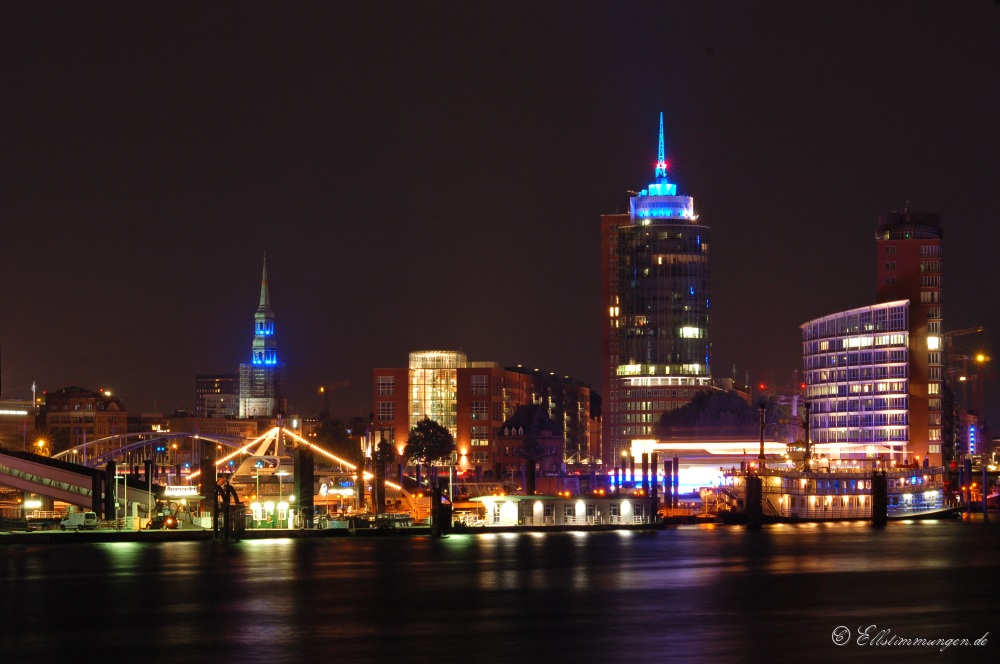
{"points": [[880, 498]]}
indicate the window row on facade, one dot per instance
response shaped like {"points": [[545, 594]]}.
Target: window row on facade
{"points": [[867, 320]]}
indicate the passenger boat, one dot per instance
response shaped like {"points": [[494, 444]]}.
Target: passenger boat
{"points": [[836, 491]]}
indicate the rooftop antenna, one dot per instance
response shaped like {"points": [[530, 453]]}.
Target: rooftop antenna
{"points": [[661, 162]]}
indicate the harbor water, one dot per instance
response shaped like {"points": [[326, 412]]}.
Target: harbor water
{"points": [[701, 593]]}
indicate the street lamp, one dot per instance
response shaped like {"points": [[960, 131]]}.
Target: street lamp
{"points": [[124, 505], [280, 474]]}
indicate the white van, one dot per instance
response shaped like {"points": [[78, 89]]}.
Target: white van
{"points": [[79, 521]]}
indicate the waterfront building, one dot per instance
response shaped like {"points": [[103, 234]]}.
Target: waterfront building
{"points": [[262, 378], [17, 424], [217, 395], [573, 405], [75, 416], [530, 422], [542, 510], [655, 296], [472, 400], [909, 265], [874, 374], [855, 370]]}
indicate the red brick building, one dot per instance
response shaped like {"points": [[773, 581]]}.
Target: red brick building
{"points": [[473, 400]]}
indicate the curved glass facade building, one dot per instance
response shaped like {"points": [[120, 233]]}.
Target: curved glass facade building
{"points": [[856, 370], [656, 283]]}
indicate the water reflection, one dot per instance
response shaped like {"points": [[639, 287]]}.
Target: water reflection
{"points": [[698, 593]]}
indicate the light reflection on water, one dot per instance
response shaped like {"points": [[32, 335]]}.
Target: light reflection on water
{"points": [[698, 593]]}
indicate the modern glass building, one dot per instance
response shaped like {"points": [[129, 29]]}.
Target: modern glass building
{"points": [[656, 288], [857, 380], [874, 374], [434, 385]]}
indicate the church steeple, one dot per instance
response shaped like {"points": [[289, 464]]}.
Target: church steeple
{"points": [[262, 378], [265, 298], [265, 348]]}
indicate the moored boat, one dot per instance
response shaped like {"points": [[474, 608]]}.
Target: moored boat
{"points": [[844, 493]]}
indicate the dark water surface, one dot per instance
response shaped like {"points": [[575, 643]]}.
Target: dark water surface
{"points": [[689, 594]]}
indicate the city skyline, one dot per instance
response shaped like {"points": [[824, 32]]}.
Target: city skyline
{"points": [[432, 179]]}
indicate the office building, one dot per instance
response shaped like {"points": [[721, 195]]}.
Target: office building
{"points": [[217, 395], [655, 298], [909, 265], [874, 374]]}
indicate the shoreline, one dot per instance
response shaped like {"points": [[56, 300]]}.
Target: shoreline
{"points": [[198, 534]]}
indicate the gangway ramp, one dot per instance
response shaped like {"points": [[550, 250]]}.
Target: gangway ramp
{"points": [[59, 480], [68, 482]]}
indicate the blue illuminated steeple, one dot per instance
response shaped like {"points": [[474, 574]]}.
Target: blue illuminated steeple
{"points": [[265, 348], [262, 378]]}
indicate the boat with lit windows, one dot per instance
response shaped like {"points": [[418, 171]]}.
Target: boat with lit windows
{"points": [[834, 490]]}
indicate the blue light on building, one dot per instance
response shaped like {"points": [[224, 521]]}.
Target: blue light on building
{"points": [[261, 380]]}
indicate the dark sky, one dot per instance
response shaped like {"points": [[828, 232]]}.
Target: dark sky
{"points": [[431, 175]]}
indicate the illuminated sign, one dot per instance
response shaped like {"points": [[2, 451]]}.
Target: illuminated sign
{"points": [[181, 490]]}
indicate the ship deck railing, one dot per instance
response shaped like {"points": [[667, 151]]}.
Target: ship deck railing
{"points": [[837, 472]]}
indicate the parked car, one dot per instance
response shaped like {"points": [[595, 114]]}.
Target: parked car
{"points": [[161, 521], [79, 521]]}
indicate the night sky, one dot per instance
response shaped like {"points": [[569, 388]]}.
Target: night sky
{"points": [[432, 175]]}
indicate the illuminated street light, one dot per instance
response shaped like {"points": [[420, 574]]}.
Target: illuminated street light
{"points": [[280, 474]]}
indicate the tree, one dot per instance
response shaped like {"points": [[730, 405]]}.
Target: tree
{"points": [[532, 451], [383, 453], [428, 442]]}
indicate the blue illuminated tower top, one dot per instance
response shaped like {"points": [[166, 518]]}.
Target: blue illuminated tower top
{"points": [[659, 201], [661, 162], [265, 346]]}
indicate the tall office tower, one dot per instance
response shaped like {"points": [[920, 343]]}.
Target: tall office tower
{"points": [[262, 380], [655, 292], [909, 267]]}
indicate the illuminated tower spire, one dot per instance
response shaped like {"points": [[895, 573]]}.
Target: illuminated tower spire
{"points": [[265, 299], [661, 161], [262, 379], [265, 350], [656, 294]]}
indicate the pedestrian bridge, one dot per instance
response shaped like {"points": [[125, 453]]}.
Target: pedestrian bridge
{"points": [[72, 483]]}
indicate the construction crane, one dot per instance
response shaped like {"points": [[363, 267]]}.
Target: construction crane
{"points": [[325, 391], [951, 357]]}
